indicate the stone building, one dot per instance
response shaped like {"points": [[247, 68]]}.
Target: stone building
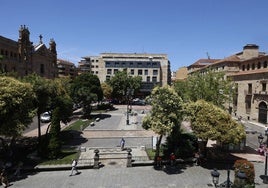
{"points": [[153, 68], [23, 58], [249, 72]]}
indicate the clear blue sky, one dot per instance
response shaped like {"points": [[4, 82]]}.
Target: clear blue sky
{"points": [[185, 30]]}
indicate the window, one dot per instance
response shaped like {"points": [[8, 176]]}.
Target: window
{"points": [[253, 66], [109, 71], [154, 79], [248, 67], [148, 79], [115, 71], [155, 72], [243, 68], [263, 86], [265, 64], [140, 72], [249, 88], [145, 72], [132, 71], [42, 68], [259, 65], [108, 77]]}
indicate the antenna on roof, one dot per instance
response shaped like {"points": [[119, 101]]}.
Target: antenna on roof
{"points": [[208, 55]]}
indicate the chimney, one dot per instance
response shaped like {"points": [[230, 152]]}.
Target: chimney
{"points": [[250, 51]]}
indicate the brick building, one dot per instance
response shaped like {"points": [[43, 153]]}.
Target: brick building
{"points": [[23, 58]]}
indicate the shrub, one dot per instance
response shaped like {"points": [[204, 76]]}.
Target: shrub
{"points": [[247, 167]]}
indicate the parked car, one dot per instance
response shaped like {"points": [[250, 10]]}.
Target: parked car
{"points": [[138, 101], [45, 117]]}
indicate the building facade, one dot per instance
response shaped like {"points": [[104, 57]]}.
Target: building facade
{"points": [[154, 69], [23, 58], [66, 69], [248, 70]]}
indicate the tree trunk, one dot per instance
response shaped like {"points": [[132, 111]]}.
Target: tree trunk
{"points": [[157, 152]]}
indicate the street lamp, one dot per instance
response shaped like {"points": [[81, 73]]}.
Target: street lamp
{"points": [[241, 177], [260, 140], [215, 178], [129, 93]]}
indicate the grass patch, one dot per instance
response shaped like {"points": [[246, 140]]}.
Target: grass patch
{"points": [[65, 158], [151, 153], [78, 125]]}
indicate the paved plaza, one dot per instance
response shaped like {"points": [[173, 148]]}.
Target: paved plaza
{"points": [[134, 177], [105, 135]]}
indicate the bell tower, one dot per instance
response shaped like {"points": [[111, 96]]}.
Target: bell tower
{"points": [[25, 46]]}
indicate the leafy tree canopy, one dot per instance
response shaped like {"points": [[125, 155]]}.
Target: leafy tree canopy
{"points": [[16, 106], [107, 90], [211, 122], [165, 113], [121, 81], [209, 86], [85, 89]]}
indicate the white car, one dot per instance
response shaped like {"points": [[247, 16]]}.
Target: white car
{"points": [[45, 117]]}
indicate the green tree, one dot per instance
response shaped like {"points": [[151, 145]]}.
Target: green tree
{"points": [[107, 90], [54, 145], [85, 89], [165, 113], [43, 91], [209, 86], [121, 81], [61, 111], [16, 106], [211, 122]]}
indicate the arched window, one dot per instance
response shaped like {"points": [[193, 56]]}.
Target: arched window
{"points": [[259, 65], [265, 64], [253, 66], [243, 67], [248, 67]]}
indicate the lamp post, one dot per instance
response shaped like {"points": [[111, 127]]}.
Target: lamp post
{"points": [[215, 178], [129, 93], [260, 139], [241, 177]]}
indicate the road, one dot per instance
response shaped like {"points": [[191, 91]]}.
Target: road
{"points": [[254, 131]]}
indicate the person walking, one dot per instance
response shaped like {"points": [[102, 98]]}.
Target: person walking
{"points": [[74, 164], [122, 144]]}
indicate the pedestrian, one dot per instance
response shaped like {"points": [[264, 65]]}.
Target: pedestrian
{"points": [[122, 144], [4, 179], [197, 158], [74, 164], [159, 161], [172, 159]]}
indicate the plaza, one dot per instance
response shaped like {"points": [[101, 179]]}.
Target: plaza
{"points": [[113, 173]]}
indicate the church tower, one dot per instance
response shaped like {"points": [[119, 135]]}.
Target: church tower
{"points": [[25, 45]]}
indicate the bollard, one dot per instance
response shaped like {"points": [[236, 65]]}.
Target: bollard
{"points": [[129, 157], [96, 159]]}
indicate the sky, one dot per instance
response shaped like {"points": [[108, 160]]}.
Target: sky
{"points": [[185, 30]]}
